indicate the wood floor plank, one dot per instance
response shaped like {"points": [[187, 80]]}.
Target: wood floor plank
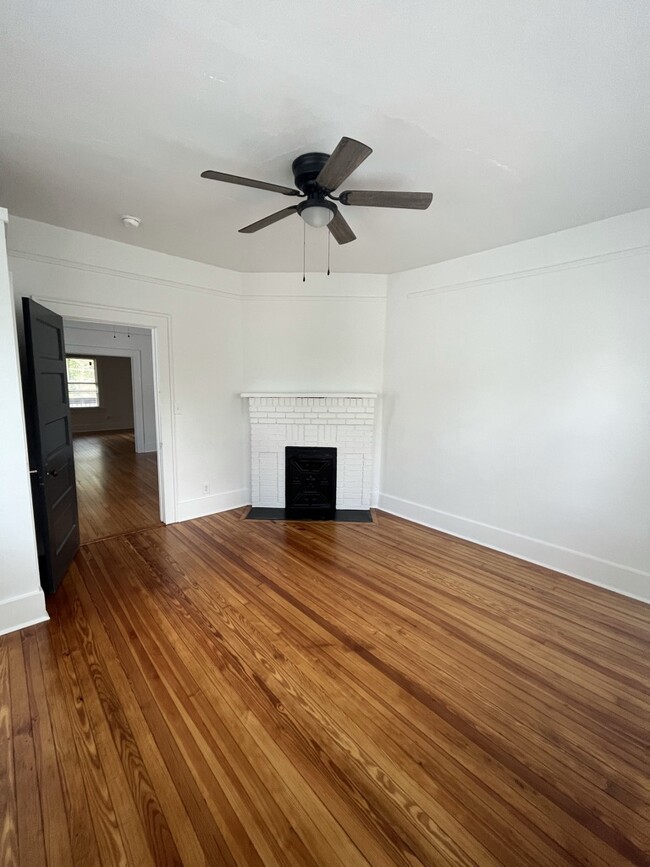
{"points": [[31, 845], [112, 850], [83, 841], [8, 806], [194, 531], [191, 694], [484, 682], [257, 678], [200, 789], [136, 810], [403, 652], [58, 848], [293, 687], [273, 694], [126, 702], [320, 647], [117, 488]]}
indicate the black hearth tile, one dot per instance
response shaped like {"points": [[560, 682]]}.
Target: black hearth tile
{"points": [[353, 516], [348, 516]]}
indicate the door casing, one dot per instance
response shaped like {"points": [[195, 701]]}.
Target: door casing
{"points": [[160, 326]]}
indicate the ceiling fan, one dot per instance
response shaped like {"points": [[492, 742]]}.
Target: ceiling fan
{"points": [[316, 176]]}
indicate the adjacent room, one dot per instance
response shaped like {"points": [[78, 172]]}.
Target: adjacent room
{"points": [[109, 372], [324, 363]]}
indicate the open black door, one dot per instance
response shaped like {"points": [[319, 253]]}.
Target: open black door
{"points": [[50, 444]]}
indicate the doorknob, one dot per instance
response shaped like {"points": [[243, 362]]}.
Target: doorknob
{"points": [[53, 473]]}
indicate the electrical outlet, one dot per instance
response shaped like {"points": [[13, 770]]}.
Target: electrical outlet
{"points": [[206, 488]]}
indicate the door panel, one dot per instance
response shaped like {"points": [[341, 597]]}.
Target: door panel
{"points": [[50, 443]]}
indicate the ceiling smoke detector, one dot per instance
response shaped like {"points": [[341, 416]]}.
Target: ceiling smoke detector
{"points": [[130, 222]]}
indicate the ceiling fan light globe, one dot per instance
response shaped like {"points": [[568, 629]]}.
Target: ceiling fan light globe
{"points": [[317, 215]]}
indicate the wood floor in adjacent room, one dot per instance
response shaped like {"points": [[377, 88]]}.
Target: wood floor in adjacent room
{"points": [[117, 488], [230, 692]]}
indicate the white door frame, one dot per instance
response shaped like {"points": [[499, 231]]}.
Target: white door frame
{"points": [[160, 326]]}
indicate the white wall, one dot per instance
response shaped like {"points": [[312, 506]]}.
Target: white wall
{"points": [[326, 335], [198, 306], [95, 338], [21, 597], [115, 410], [517, 400]]}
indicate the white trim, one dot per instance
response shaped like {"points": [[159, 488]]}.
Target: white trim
{"points": [[594, 570], [160, 325], [18, 612], [4, 216], [531, 272], [277, 296], [104, 328], [212, 503], [125, 275], [300, 295]]}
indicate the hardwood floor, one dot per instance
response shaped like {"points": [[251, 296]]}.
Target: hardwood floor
{"points": [[117, 489], [230, 692]]}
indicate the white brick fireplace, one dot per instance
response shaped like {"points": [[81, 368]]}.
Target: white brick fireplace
{"points": [[343, 421]]}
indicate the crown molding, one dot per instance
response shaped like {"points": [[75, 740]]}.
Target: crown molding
{"points": [[187, 287], [124, 275], [557, 267], [290, 297], [568, 265]]}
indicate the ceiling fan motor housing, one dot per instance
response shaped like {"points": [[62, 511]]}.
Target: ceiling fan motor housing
{"points": [[306, 169]]}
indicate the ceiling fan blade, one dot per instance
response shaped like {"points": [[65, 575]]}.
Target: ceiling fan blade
{"points": [[249, 182], [386, 199], [268, 221], [347, 156], [341, 231]]}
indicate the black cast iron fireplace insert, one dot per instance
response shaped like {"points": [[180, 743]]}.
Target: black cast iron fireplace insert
{"points": [[310, 483]]}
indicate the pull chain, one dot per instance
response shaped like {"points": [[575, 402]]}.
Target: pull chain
{"points": [[304, 251], [329, 237]]}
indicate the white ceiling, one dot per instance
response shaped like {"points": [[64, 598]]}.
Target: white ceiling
{"points": [[523, 117]]}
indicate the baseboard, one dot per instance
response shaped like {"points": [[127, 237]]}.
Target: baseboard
{"points": [[90, 428], [593, 570], [211, 504], [21, 611]]}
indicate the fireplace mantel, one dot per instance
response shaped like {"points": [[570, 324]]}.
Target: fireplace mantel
{"points": [[342, 420], [318, 394]]}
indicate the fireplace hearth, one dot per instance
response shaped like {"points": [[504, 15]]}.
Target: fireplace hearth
{"points": [[345, 516]]}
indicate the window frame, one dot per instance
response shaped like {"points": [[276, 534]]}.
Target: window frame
{"points": [[96, 383]]}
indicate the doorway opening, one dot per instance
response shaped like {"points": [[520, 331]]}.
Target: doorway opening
{"points": [[47, 412], [114, 429]]}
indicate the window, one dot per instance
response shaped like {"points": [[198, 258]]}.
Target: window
{"points": [[83, 388]]}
